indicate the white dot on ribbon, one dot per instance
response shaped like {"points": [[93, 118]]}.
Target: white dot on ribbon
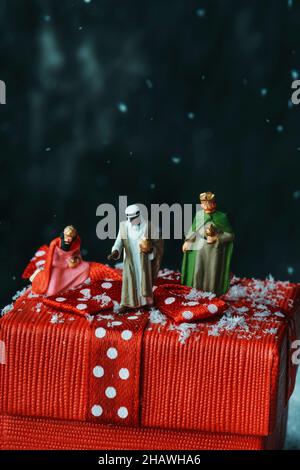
{"points": [[100, 332], [212, 308], [106, 285], [97, 410], [122, 412], [124, 373], [81, 306], [187, 315], [112, 353], [126, 335], [110, 392], [98, 371], [169, 300]]}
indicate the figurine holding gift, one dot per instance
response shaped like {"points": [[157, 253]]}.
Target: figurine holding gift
{"points": [[208, 249], [64, 268], [142, 256]]}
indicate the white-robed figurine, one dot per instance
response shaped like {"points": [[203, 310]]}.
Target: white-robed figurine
{"points": [[143, 251]]}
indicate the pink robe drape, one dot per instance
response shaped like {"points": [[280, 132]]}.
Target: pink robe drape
{"points": [[62, 276]]}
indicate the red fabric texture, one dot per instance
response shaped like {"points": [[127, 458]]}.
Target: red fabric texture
{"points": [[25, 433], [224, 375], [184, 304]]}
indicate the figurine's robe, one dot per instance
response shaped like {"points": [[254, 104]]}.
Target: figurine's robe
{"points": [[207, 266], [140, 270], [57, 276]]}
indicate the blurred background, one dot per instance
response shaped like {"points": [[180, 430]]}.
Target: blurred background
{"points": [[159, 101]]}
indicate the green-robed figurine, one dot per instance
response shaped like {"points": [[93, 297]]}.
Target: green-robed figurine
{"points": [[208, 249]]}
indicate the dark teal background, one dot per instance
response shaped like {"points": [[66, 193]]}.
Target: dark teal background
{"points": [[66, 147]]}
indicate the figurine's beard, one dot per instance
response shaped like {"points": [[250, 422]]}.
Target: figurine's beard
{"points": [[64, 245]]}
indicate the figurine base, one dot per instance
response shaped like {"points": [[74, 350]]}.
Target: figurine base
{"points": [[22, 433]]}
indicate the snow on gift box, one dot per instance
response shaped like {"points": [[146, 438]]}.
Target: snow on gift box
{"points": [[143, 381]]}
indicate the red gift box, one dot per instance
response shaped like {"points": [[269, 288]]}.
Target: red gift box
{"points": [[76, 381]]}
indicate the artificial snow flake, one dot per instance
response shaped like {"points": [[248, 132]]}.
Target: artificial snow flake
{"points": [[38, 307], [19, 293], [271, 331], [116, 306], [103, 299], [89, 317], [228, 323], [195, 295], [57, 318], [157, 317], [191, 116], [6, 309], [184, 329], [32, 295]]}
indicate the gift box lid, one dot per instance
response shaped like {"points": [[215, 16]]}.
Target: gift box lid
{"points": [[231, 373]]}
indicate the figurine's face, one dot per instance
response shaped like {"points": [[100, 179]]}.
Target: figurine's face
{"points": [[135, 221], [68, 238], [209, 206]]}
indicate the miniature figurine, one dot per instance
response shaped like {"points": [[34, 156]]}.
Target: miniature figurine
{"points": [[208, 249], [142, 257], [64, 268]]}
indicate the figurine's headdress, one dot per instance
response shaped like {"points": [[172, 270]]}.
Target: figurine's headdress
{"points": [[132, 211], [208, 196], [70, 230]]}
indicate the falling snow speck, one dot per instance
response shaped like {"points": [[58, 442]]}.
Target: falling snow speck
{"points": [[290, 3], [122, 107], [149, 83], [264, 92], [80, 28], [87, 1], [267, 120], [296, 194], [176, 159], [47, 18], [290, 270], [279, 128], [152, 186], [294, 74], [200, 12], [48, 149], [191, 116]]}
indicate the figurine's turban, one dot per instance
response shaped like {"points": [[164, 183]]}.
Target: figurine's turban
{"points": [[70, 230], [132, 211], [208, 196]]}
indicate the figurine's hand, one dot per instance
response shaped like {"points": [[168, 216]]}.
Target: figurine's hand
{"points": [[186, 246], [73, 261], [211, 240], [113, 256]]}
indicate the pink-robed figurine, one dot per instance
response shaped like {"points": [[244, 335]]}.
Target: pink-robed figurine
{"points": [[64, 268]]}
